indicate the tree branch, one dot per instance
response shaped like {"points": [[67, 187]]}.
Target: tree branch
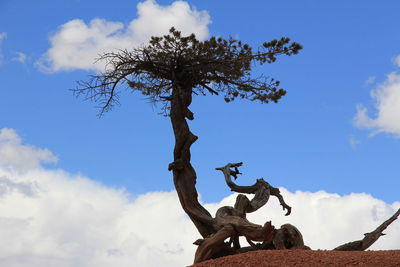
{"points": [[369, 238], [261, 190], [209, 89]]}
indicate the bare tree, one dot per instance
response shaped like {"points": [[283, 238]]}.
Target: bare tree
{"points": [[169, 70]]}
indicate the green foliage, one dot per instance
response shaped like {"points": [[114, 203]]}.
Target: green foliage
{"points": [[174, 61]]}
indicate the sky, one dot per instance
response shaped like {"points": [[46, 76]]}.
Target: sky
{"points": [[79, 190]]}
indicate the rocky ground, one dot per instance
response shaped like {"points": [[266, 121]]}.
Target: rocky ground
{"points": [[308, 258]]}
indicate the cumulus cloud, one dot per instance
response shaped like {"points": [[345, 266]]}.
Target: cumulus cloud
{"points": [[76, 44], [14, 154], [54, 218], [3, 36], [386, 99], [327, 220], [74, 221]]}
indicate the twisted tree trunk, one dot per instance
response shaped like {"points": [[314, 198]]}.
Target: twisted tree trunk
{"points": [[183, 172]]}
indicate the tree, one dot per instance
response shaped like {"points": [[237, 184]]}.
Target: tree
{"points": [[169, 70], [172, 68]]}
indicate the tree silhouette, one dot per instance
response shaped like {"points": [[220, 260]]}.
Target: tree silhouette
{"points": [[169, 70]]}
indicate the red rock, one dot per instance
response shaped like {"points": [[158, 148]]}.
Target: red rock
{"points": [[307, 258]]}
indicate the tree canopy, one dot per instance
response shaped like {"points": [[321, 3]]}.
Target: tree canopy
{"points": [[216, 66]]}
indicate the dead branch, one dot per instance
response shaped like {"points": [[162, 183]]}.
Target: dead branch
{"points": [[369, 238], [261, 190]]}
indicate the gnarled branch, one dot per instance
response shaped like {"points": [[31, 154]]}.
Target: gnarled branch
{"points": [[261, 189], [369, 238]]}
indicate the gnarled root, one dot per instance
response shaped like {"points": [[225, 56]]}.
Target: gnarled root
{"points": [[214, 244], [289, 237], [232, 222]]}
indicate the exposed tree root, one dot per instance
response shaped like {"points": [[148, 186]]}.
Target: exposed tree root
{"points": [[231, 223]]}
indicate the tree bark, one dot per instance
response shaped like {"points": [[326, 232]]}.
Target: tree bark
{"points": [[183, 172]]}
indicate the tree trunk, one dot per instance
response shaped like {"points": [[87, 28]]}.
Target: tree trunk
{"points": [[183, 172]]}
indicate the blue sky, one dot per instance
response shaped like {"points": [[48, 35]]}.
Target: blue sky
{"points": [[336, 130], [306, 142], [301, 143]]}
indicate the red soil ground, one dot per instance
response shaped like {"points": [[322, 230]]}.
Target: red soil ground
{"points": [[307, 258]]}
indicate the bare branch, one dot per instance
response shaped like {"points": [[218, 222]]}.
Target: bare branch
{"points": [[369, 238], [261, 190]]}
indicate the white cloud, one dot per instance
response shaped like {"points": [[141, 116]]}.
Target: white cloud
{"points": [[387, 104], [396, 61], [76, 44], [21, 57], [74, 221], [328, 220], [53, 218], [3, 36], [14, 154]]}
